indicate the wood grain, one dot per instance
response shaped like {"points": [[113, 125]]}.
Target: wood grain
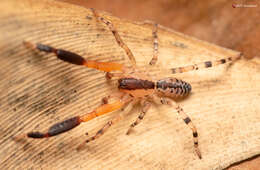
{"points": [[37, 90]]}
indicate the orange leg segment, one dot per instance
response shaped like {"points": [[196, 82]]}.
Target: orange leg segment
{"points": [[104, 66], [103, 109]]}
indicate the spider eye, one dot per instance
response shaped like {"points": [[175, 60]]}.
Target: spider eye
{"points": [[121, 83]]}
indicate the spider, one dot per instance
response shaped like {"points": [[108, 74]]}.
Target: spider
{"points": [[134, 87]]}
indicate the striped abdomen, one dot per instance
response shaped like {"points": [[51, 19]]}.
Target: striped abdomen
{"points": [[173, 87]]}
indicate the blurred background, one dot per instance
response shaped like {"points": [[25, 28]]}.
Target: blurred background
{"points": [[233, 24]]}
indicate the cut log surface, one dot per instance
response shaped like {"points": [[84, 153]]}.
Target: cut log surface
{"points": [[37, 90]]}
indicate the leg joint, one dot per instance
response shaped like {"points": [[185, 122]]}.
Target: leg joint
{"points": [[187, 120]]}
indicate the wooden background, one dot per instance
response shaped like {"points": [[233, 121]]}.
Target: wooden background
{"points": [[37, 90]]}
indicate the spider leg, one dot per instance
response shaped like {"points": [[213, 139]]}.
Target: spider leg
{"points": [[107, 125], [104, 100], [145, 107], [188, 121], [155, 45], [74, 58], [184, 116], [205, 64], [157, 99], [71, 123], [111, 75], [117, 36]]}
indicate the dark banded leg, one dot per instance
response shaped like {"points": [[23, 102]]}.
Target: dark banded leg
{"points": [[117, 36], [74, 58], [106, 126], [188, 121], [145, 107], [206, 64], [155, 45]]}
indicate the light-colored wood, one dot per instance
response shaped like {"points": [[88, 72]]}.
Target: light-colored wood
{"points": [[37, 90]]}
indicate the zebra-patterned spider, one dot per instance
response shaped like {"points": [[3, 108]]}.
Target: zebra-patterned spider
{"points": [[133, 86]]}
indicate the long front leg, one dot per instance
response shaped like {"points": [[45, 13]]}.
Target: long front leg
{"points": [[71, 123], [145, 107], [74, 58]]}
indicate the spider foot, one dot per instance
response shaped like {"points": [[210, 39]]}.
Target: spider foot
{"points": [[81, 146], [20, 138], [129, 131], [198, 152]]}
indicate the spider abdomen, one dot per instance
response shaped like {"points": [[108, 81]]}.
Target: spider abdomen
{"points": [[173, 87]]}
